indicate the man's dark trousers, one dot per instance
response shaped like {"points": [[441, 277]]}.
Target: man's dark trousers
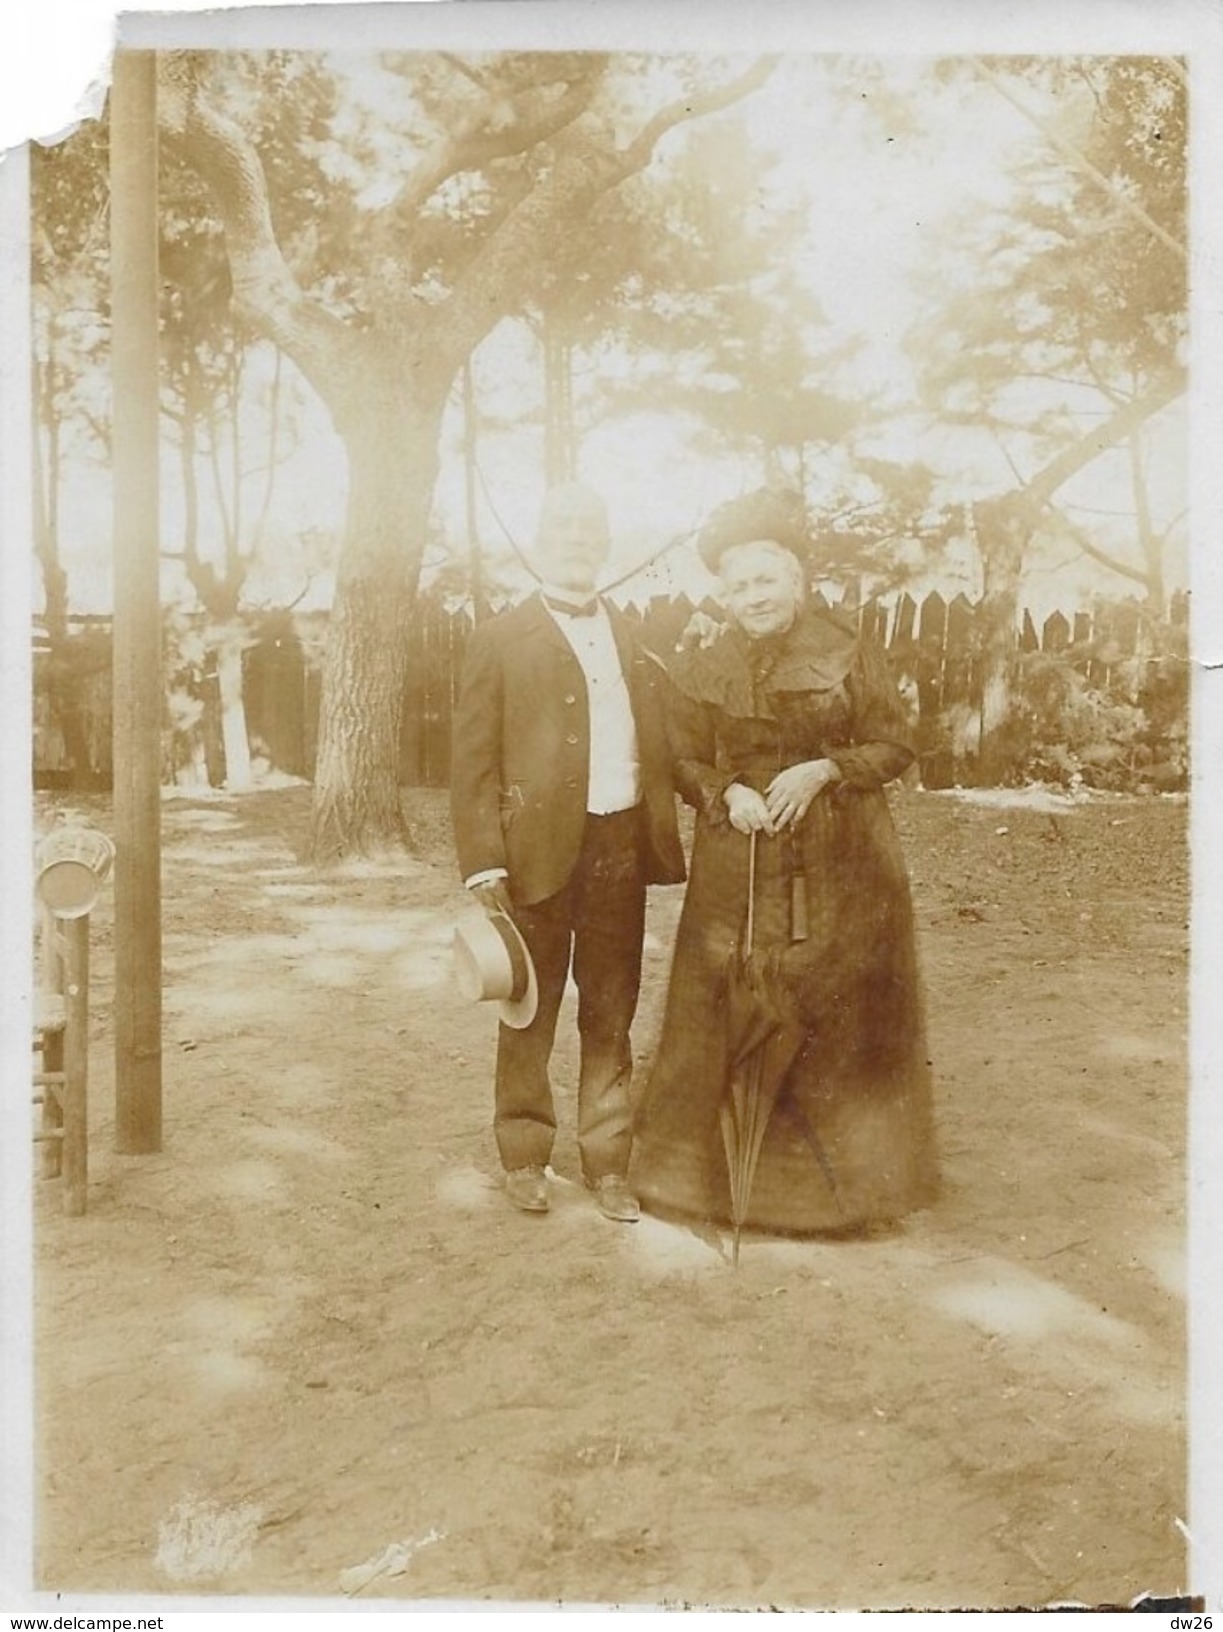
{"points": [[599, 915]]}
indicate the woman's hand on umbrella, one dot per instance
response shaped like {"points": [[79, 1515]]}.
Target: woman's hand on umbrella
{"points": [[789, 795], [748, 811]]}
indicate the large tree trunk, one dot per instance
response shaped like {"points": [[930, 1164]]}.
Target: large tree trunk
{"points": [[393, 460], [386, 384]]}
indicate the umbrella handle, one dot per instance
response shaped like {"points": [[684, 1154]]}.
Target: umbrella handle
{"points": [[751, 889]]}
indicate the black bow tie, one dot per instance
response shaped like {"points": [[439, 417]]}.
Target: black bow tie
{"points": [[571, 609]]}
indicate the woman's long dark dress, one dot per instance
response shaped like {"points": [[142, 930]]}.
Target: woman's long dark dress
{"points": [[851, 1138]]}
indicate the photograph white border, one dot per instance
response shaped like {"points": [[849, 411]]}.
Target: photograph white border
{"points": [[47, 85]]}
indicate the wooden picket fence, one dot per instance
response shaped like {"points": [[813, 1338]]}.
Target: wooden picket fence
{"points": [[935, 647]]}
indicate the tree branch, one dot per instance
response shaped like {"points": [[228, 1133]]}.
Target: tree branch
{"points": [[1110, 393], [640, 150], [283, 606], [464, 68], [1106, 391], [1088, 545], [1041, 488], [512, 189], [584, 169], [1081, 162], [1171, 526], [1006, 453], [481, 140], [265, 292], [100, 427]]}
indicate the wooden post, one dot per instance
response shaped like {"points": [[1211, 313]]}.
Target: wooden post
{"points": [[137, 627]]}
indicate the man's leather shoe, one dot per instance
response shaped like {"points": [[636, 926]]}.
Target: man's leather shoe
{"points": [[616, 1200], [527, 1188]]}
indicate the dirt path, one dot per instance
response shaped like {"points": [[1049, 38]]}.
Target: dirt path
{"points": [[311, 1329]]}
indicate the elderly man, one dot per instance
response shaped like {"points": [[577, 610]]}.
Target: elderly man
{"points": [[563, 812]]}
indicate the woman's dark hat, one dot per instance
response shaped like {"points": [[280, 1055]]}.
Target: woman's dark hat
{"points": [[491, 963], [775, 513]]}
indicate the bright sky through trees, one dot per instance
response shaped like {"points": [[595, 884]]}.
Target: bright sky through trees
{"points": [[882, 155]]}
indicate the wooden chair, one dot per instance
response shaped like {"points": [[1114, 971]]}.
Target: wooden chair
{"points": [[61, 1043], [72, 864]]}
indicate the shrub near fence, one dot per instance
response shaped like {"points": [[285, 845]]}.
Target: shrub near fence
{"points": [[1100, 695]]}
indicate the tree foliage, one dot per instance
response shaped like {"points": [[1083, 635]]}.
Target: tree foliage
{"points": [[1054, 322], [459, 183], [1067, 299]]}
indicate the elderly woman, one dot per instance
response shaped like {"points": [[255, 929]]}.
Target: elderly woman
{"points": [[785, 730]]}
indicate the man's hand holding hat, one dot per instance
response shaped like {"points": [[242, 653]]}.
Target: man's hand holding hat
{"points": [[493, 895], [492, 961]]}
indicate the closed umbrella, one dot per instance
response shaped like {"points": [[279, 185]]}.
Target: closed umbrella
{"points": [[762, 1040]]}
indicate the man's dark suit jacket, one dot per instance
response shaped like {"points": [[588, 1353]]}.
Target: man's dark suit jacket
{"points": [[521, 754]]}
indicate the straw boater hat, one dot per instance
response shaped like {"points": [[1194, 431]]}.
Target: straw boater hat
{"points": [[492, 964], [775, 513]]}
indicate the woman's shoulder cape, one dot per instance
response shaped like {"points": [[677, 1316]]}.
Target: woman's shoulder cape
{"points": [[817, 655]]}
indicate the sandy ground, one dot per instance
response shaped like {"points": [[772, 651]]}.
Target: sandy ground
{"points": [[309, 1349]]}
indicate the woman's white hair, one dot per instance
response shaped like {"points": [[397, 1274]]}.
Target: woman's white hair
{"points": [[768, 546]]}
